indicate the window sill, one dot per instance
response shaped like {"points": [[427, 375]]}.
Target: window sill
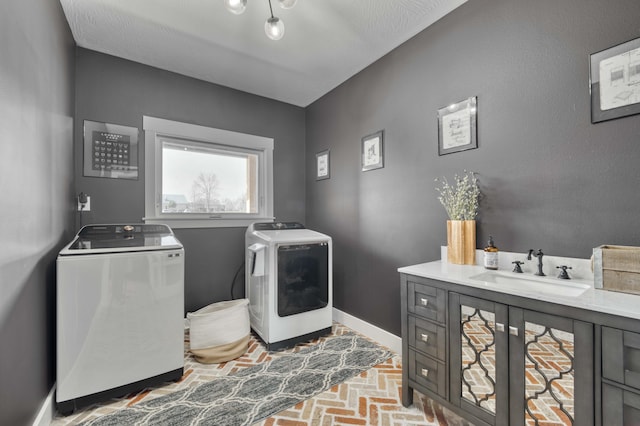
{"points": [[205, 223]]}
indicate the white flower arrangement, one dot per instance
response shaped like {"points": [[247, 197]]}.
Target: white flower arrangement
{"points": [[461, 199]]}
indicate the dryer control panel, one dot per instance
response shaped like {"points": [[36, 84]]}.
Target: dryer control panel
{"points": [[277, 226]]}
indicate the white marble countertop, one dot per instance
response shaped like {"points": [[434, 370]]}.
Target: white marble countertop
{"points": [[610, 302]]}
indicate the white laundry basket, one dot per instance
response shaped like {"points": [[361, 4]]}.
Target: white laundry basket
{"points": [[219, 332]]}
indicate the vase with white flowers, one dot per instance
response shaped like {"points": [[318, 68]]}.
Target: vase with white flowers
{"points": [[460, 200]]}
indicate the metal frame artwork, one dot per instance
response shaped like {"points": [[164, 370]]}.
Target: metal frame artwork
{"points": [[323, 165], [372, 150], [457, 128], [615, 81], [110, 150]]}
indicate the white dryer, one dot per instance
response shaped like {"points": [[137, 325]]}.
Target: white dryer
{"points": [[289, 282], [120, 312]]}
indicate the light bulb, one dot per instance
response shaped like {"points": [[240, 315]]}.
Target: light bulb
{"points": [[235, 6], [274, 27], [287, 4]]}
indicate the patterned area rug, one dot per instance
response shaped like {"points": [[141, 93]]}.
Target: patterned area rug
{"points": [[255, 393]]}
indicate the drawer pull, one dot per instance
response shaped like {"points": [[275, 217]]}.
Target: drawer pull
{"points": [[424, 372], [424, 337], [424, 301], [513, 331], [499, 326]]}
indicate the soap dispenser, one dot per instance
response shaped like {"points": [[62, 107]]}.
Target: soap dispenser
{"points": [[491, 255]]}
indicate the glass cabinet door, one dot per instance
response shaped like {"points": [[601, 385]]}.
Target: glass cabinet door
{"points": [[479, 357], [552, 362]]}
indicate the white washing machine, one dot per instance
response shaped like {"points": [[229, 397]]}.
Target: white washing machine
{"points": [[289, 282], [120, 310]]}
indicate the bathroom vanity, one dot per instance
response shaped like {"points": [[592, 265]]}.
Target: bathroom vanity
{"points": [[501, 348]]}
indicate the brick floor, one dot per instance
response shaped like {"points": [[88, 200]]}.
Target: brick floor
{"points": [[371, 398]]}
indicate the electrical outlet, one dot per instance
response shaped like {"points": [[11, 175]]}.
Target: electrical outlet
{"points": [[87, 205]]}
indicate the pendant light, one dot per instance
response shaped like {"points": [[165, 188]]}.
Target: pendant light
{"points": [[235, 6], [273, 27], [287, 4]]}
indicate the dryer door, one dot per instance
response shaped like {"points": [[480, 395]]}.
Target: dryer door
{"points": [[303, 278]]}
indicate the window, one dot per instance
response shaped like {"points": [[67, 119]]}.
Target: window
{"points": [[199, 176]]}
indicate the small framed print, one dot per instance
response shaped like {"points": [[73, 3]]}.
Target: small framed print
{"points": [[110, 150], [457, 129], [373, 151], [614, 75], [323, 170]]}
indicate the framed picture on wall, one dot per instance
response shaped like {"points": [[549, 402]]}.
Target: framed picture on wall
{"points": [[457, 130], [110, 150], [615, 81], [373, 151], [323, 170]]}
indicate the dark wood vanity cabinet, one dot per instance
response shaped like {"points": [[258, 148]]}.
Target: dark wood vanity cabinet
{"points": [[424, 339], [495, 359], [620, 377], [515, 366], [479, 348]]}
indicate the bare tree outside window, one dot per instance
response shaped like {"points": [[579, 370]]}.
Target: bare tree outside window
{"points": [[205, 188]]}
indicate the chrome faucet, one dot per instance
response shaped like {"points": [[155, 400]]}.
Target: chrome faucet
{"points": [[539, 255]]}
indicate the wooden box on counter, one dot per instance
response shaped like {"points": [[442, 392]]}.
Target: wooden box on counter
{"points": [[617, 268]]}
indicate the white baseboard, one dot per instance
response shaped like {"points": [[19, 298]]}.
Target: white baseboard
{"points": [[381, 336], [47, 410]]}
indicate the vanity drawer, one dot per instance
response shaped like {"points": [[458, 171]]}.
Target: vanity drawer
{"points": [[621, 356], [428, 373], [427, 337], [427, 301]]}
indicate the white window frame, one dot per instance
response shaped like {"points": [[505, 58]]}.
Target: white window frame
{"points": [[157, 128]]}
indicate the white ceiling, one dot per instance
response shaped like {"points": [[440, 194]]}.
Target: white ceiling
{"points": [[325, 41]]}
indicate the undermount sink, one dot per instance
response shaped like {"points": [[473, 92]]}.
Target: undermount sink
{"points": [[532, 283]]}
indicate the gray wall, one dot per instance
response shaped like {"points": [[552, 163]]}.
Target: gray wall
{"points": [[36, 175], [550, 178], [113, 90]]}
